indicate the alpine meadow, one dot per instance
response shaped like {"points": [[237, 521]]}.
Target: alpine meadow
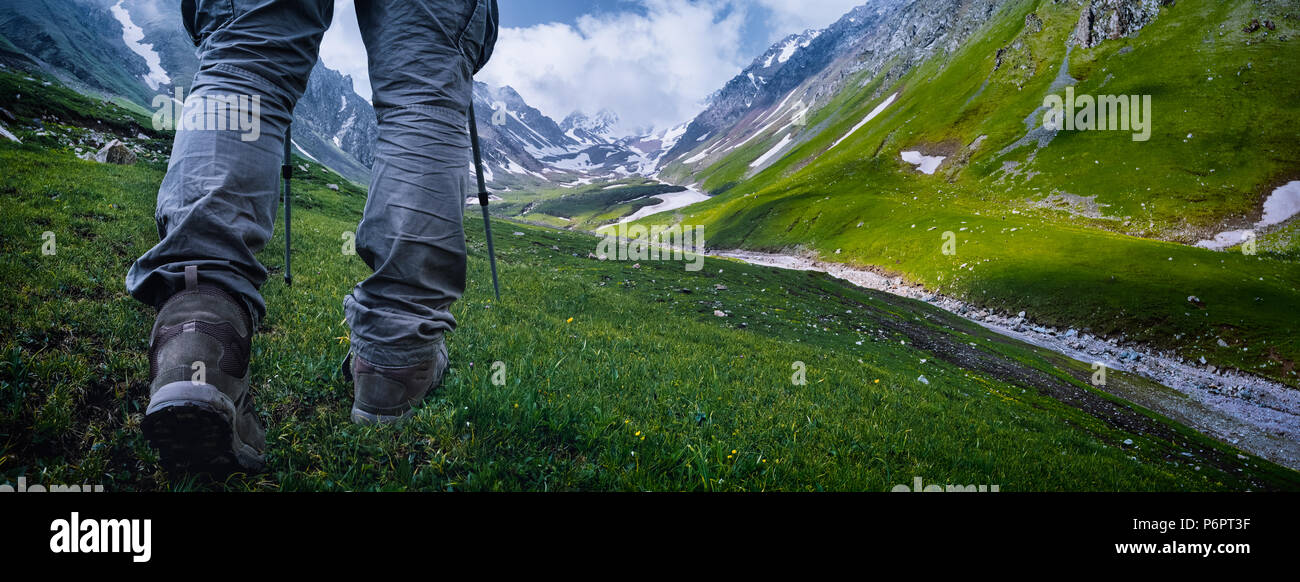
{"points": [[1024, 245]]}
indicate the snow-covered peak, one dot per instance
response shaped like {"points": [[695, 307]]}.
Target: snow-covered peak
{"points": [[783, 50], [591, 130]]}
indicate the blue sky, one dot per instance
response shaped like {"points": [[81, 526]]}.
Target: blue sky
{"points": [[650, 61]]}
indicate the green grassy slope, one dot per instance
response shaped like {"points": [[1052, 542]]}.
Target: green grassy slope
{"points": [[1225, 106], [585, 206], [82, 42], [616, 377], [45, 96]]}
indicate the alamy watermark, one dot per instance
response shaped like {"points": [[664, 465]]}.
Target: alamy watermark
{"points": [[23, 487], [656, 243], [499, 112], [1099, 374], [1099, 113], [94, 536], [242, 113], [919, 487]]}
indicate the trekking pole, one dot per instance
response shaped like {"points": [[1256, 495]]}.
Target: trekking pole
{"points": [[286, 173], [483, 197]]}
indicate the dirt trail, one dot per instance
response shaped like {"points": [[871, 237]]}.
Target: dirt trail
{"points": [[1252, 413]]}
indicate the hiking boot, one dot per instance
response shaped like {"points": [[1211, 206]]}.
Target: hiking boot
{"points": [[200, 415], [385, 395]]}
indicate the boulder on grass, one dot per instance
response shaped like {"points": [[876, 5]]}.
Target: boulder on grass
{"points": [[115, 153]]}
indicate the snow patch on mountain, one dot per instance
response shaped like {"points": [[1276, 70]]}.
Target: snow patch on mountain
{"points": [[133, 36], [926, 164], [669, 201], [581, 161], [1279, 207], [874, 112], [588, 130], [793, 45], [487, 172], [303, 151], [772, 152]]}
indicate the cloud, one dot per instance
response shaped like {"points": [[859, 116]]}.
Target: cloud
{"points": [[790, 16], [343, 50], [651, 66]]}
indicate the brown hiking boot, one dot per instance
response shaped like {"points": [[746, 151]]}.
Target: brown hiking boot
{"points": [[385, 395], [200, 415]]}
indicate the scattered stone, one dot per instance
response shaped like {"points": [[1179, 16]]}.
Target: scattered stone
{"points": [[1033, 23], [719, 313], [115, 153], [517, 233], [923, 380], [1222, 343], [334, 187], [719, 287]]}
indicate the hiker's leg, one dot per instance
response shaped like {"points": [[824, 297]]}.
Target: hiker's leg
{"points": [[217, 203], [423, 54]]}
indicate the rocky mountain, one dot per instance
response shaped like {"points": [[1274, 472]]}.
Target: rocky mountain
{"points": [[80, 41], [651, 148], [138, 49], [524, 148], [749, 84], [515, 137], [888, 36], [536, 133], [1112, 19], [338, 124], [590, 131]]}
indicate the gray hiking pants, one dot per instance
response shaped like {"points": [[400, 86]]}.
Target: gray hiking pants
{"points": [[217, 204]]}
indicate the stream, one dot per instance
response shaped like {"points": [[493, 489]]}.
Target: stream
{"points": [[1254, 414]]}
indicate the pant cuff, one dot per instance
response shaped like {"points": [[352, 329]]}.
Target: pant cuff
{"points": [[395, 356]]}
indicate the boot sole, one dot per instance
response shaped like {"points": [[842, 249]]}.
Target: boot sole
{"points": [[193, 427]]}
